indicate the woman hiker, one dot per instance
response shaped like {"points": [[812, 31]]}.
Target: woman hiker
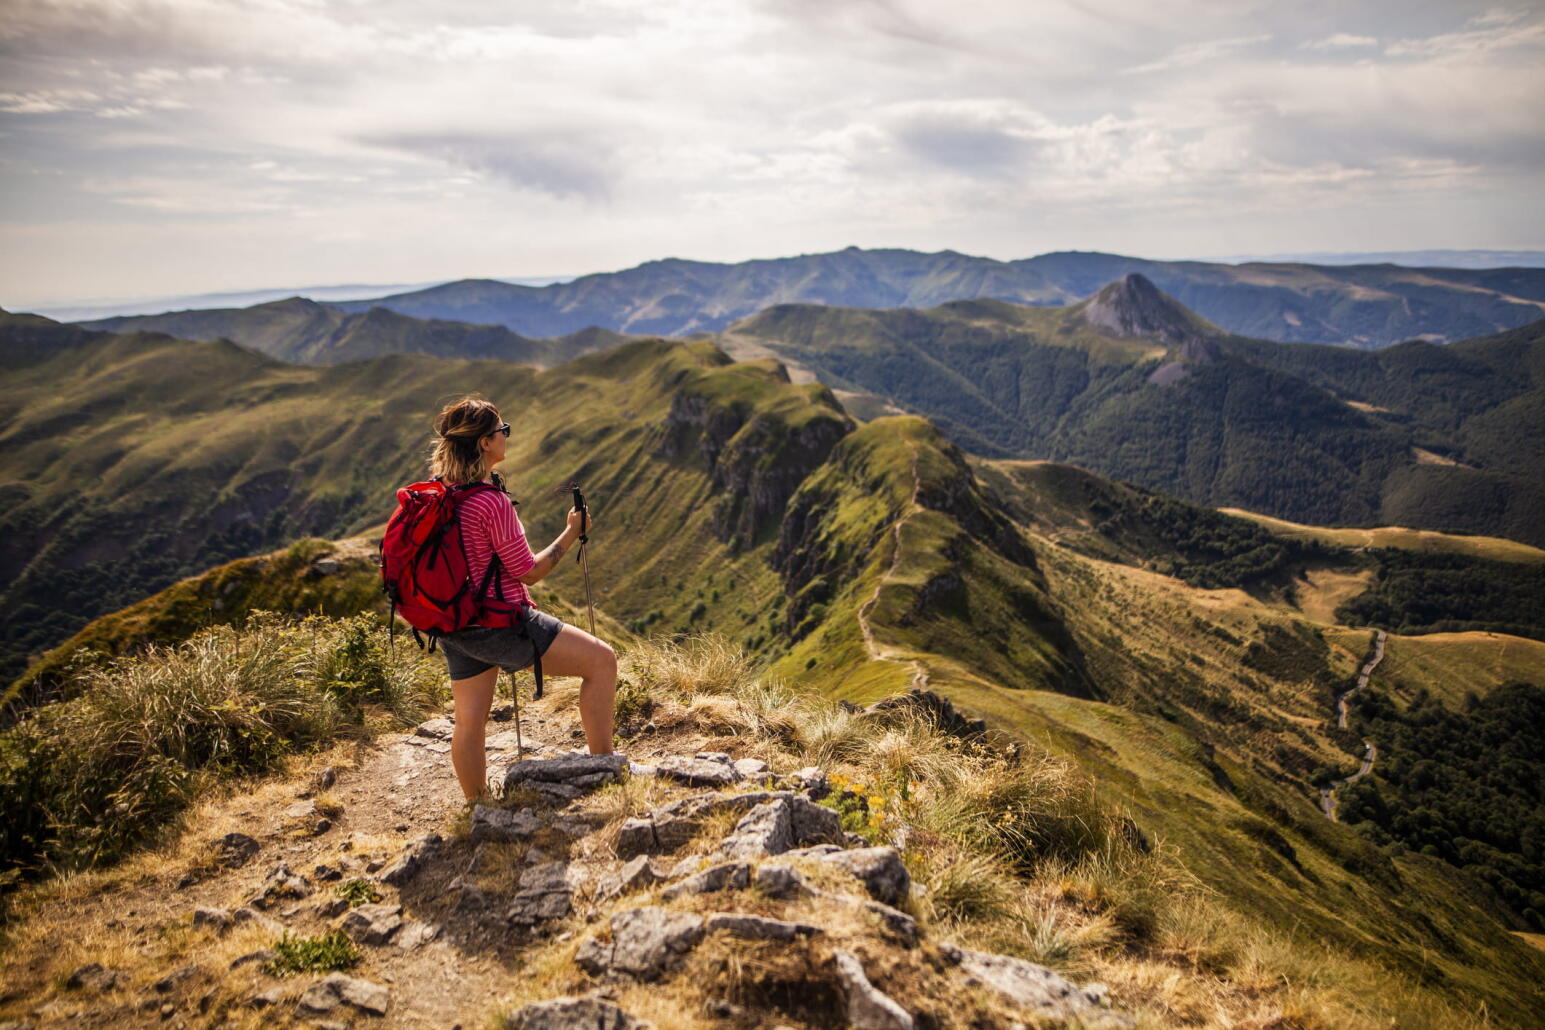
{"points": [[472, 440]]}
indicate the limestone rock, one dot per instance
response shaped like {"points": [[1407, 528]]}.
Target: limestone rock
{"points": [[373, 924], [768, 829], [572, 1014], [1033, 986], [435, 729], [92, 977], [303, 811], [739, 924], [503, 825], [545, 893], [416, 934], [327, 994], [262, 955], [698, 772], [636, 837], [749, 767], [779, 881], [407, 865], [867, 1007], [812, 780], [638, 873], [645, 943], [235, 850], [563, 769], [724, 876], [175, 978], [880, 869], [217, 919], [281, 884]]}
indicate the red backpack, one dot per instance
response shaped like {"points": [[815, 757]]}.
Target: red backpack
{"points": [[425, 572]]}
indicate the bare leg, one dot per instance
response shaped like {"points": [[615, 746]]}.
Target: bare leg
{"points": [[574, 652], [474, 696]]}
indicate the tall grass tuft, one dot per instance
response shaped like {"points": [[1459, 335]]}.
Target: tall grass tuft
{"points": [[85, 780]]}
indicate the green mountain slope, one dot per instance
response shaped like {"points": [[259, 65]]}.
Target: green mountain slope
{"points": [[1131, 384], [169, 456], [303, 331], [1353, 305], [856, 561]]}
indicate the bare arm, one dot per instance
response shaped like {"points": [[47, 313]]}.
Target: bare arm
{"points": [[549, 558]]}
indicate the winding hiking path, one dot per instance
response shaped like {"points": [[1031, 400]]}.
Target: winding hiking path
{"points": [[880, 652], [1370, 749]]}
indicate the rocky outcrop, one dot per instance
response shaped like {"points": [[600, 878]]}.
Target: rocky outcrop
{"points": [[1134, 306]]}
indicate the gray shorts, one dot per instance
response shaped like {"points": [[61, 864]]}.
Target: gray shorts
{"points": [[479, 648]]}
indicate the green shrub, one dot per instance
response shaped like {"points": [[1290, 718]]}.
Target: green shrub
{"points": [[358, 892], [313, 954]]}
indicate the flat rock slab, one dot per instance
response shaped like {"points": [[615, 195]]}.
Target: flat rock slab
{"points": [[502, 825], [373, 924], [337, 989], [563, 768], [572, 1014], [408, 864], [724, 876], [880, 869], [416, 934], [545, 893], [698, 772], [235, 850], [739, 924], [638, 873], [868, 1007], [436, 729], [646, 942], [1034, 987]]}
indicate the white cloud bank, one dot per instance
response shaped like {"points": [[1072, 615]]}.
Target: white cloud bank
{"points": [[157, 146]]}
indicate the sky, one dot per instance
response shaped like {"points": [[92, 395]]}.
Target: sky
{"points": [[182, 146]]}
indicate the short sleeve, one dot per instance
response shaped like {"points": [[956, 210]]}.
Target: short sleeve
{"points": [[509, 541]]}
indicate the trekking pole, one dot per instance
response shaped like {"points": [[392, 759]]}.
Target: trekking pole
{"points": [[520, 749], [584, 538]]}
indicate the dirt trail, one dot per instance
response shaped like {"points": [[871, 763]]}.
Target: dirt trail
{"points": [[399, 787], [1370, 750], [881, 652]]}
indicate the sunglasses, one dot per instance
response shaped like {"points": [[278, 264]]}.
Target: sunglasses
{"points": [[503, 428]]}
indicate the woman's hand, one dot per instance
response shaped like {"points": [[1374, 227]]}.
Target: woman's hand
{"points": [[579, 523]]}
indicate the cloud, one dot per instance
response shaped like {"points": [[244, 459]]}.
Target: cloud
{"points": [[1196, 54], [1341, 41], [560, 164]]}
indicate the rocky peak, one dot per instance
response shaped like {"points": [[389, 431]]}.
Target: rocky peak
{"points": [[1134, 306]]}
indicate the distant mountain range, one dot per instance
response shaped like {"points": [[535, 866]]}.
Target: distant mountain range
{"points": [[305, 332], [1408, 258], [1133, 385], [1361, 306]]}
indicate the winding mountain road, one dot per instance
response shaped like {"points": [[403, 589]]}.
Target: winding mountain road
{"points": [[1370, 749]]}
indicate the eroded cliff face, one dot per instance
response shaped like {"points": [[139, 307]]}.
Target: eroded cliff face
{"points": [[757, 451]]}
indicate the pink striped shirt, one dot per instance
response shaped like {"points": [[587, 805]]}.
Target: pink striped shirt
{"points": [[489, 524]]}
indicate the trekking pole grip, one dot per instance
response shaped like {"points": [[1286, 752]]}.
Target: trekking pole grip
{"points": [[579, 506]]}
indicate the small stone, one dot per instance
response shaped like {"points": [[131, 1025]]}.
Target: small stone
{"points": [[881, 870], [281, 884], [749, 767], [373, 924], [570, 1013], [417, 934], [168, 1010], [269, 998], [642, 769], [235, 850], [217, 919], [698, 772], [779, 881], [175, 977], [768, 829], [92, 977], [812, 780], [326, 873], [646, 942], [244, 915], [263, 955], [867, 1007], [637, 874], [435, 729], [650, 727], [410, 862], [329, 908], [324, 778], [502, 713], [503, 825], [324, 824], [636, 837], [302, 811], [739, 924], [326, 994], [714, 756], [724, 876]]}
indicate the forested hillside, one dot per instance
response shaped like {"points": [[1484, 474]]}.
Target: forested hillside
{"points": [[1132, 385]]}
